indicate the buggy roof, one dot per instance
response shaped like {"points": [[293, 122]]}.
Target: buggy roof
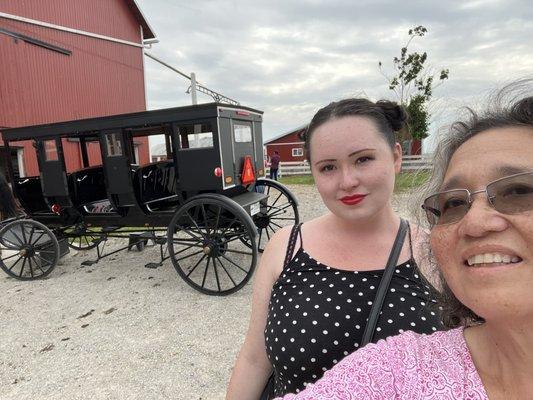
{"points": [[89, 126]]}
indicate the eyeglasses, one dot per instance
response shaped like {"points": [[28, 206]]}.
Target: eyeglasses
{"points": [[509, 195]]}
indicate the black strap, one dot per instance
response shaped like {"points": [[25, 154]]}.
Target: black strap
{"points": [[292, 243], [373, 317]]}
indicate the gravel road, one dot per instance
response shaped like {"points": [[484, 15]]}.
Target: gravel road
{"points": [[117, 330]]}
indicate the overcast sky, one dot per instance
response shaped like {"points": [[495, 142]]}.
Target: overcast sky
{"points": [[289, 58]]}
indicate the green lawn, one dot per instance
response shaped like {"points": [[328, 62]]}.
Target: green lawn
{"points": [[404, 181]]}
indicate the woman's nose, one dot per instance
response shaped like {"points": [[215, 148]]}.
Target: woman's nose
{"points": [[349, 179], [481, 219]]}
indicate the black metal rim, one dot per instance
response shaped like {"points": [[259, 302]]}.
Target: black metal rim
{"points": [[29, 250], [281, 210], [205, 239]]}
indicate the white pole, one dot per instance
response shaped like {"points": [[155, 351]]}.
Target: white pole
{"points": [[193, 88]]}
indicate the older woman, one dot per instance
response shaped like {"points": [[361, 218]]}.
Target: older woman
{"points": [[481, 217]]}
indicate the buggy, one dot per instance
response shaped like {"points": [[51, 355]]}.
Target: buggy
{"points": [[206, 203]]}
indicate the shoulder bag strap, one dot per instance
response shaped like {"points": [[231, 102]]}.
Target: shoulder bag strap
{"points": [[384, 284], [292, 243]]}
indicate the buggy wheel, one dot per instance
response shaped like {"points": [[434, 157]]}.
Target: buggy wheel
{"points": [[279, 210], [205, 243], [28, 250], [82, 238]]}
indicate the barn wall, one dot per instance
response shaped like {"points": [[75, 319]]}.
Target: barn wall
{"points": [[284, 146], [99, 78]]}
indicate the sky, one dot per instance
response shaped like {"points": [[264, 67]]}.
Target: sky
{"points": [[289, 58]]}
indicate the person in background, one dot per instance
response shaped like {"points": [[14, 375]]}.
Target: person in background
{"points": [[480, 209], [316, 283], [274, 165]]}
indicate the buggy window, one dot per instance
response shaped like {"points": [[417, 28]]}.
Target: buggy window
{"points": [[197, 136], [50, 150], [242, 133], [113, 144]]}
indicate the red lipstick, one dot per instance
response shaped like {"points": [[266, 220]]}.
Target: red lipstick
{"points": [[354, 199]]}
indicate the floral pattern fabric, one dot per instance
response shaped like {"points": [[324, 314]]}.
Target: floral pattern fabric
{"points": [[405, 367]]}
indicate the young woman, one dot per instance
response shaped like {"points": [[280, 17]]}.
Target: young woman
{"points": [[316, 283], [481, 213]]}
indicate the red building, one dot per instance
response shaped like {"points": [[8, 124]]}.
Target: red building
{"points": [[291, 147], [63, 60], [288, 144]]}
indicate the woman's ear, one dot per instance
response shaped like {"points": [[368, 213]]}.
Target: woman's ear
{"points": [[397, 154]]}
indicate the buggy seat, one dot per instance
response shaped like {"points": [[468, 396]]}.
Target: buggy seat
{"points": [[155, 185], [88, 189]]}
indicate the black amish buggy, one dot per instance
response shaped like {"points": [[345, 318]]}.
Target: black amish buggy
{"points": [[207, 205]]}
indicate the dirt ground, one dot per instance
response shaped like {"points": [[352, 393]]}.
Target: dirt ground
{"points": [[117, 330]]}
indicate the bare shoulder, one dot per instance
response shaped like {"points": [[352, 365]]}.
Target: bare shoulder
{"points": [[275, 250]]}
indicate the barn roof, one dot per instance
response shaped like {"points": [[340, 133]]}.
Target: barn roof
{"points": [[148, 32], [302, 127]]}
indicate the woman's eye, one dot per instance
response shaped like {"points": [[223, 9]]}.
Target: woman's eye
{"points": [[327, 168], [362, 160], [517, 190], [453, 203]]}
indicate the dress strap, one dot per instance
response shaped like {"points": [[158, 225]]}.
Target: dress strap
{"points": [[292, 243]]}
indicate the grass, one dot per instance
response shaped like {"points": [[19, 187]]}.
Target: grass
{"points": [[404, 181]]}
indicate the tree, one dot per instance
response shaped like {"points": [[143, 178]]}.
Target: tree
{"points": [[413, 84]]}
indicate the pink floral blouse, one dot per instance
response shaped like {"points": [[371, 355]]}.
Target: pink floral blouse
{"points": [[405, 367]]}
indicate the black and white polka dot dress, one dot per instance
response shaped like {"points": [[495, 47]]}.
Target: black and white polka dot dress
{"points": [[317, 315]]}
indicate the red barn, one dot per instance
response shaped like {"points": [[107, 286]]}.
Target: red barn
{"points": [[63, 60], [288, 144]]}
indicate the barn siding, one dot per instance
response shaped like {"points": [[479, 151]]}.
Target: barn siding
{"points": [[99, 78], [284, 146]]}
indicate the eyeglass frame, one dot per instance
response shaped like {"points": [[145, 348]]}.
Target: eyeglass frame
{"points": [[490, 199]]}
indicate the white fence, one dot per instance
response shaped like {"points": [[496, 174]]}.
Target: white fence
{"points": [[409, 163]]}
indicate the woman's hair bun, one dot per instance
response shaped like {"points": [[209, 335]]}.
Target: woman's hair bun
{"points": [[396, 114]]}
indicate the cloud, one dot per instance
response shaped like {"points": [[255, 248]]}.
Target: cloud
{"points": [[289, 58]]}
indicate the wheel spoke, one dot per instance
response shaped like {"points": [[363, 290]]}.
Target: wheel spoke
{"points": [[266, 231], [16, 262], [22, 268], [17, 237], [239, 252], [198, 263], [37, 240], [277, 198], [273, 223], [284, 218], [227, 273], [11, 256], [231, 261], [189, 255], [193, 222], [205, 271], [202, 208], [31, 234], [217, 220], [24, 234], [216, 274], [31, 267], [38, 264], [196, 244], [47, 262]]}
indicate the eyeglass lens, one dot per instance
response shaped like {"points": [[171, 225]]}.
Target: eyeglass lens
{"points": [[509, 195]]}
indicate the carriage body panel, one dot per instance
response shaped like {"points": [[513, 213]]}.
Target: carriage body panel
{"points": [[200, 139]]}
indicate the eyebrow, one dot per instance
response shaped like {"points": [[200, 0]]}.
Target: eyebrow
{"points": [[349, 155], [504, 170]]}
